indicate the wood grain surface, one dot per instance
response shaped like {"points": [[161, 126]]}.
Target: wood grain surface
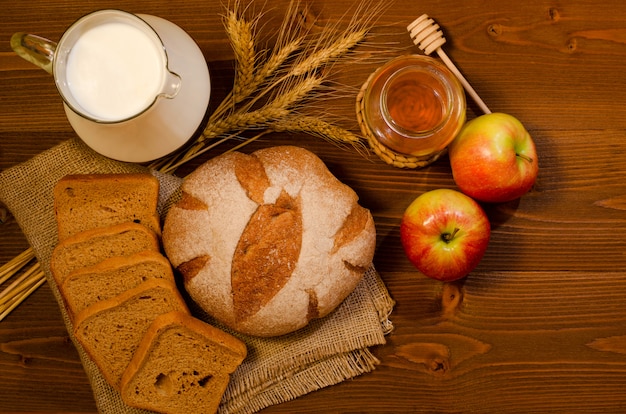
{"points": [[539, 326]]}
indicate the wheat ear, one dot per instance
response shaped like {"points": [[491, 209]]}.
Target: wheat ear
{"points": [[284, 99], [242, 40], [327, 54], [316, 126], [289, 41]]}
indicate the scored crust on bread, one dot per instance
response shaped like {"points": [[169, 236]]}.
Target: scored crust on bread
{"points": [[268, 241], [93, 246], [182, 365], [87, 201], [87, 285], [110, 331]]}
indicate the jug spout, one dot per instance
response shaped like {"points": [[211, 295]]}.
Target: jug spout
{"points": [[172, 85], [34, 49]]}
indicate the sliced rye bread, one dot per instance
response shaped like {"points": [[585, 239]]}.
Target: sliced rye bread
{"points": [[87, 285], [93, 246], [87, 201], [110, 331], [182, 365]]}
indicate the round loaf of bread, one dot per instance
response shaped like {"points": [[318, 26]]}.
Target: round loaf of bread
{"points": [[269, 241]]}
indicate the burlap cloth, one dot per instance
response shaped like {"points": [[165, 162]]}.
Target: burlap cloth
{"points": [[276, 370]]}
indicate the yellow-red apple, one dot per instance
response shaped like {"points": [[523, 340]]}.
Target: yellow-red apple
{"points": [[494, 158], [445, 234]]}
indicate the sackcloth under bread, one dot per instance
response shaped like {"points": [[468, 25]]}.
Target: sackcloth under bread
{"points": [[326, 352]]}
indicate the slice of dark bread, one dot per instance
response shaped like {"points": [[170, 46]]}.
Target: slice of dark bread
{"points": [[183, 365], [87, 285], [87, 201], [111, 330], [93, 246]]}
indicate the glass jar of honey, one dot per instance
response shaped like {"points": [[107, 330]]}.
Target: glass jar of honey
{"points": [[414, 105]]}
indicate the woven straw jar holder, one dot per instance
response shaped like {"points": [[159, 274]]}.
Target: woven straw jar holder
{"points": [[453, 118]]}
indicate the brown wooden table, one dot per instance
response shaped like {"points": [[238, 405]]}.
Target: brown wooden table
{"points": [[540, 326]]}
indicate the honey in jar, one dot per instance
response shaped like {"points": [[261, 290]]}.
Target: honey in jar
{"points": [[414, 105]]}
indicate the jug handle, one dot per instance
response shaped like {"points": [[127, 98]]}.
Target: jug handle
{"points": [[34, 49]]}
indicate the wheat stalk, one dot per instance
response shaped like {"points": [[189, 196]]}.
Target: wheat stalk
{"points": [[289, 41], [23, 286], [241, 35], [316, 126], [286, 97], [242, 41], [21, 289], [265, 93], [243, 38], [11, 268], [328, 54]]}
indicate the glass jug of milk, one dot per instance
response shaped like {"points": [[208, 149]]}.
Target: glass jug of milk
{"points": [[134, 87]]}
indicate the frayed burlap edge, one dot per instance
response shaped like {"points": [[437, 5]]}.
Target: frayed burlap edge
{"points": [[327, 364], [336, 369]]}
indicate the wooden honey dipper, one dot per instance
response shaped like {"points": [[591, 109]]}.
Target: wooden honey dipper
{"points": [[426, 34]]}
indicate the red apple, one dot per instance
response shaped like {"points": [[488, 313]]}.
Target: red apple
{"points": [[494, 159], [445, 234]]}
